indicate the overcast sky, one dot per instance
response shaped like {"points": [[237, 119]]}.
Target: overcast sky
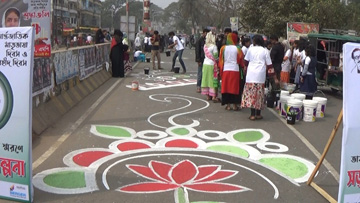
{"points": [[162, 3]]}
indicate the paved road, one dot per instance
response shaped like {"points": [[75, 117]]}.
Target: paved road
{"points": [[166, 143]]}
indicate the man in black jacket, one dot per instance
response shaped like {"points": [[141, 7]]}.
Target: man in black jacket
{"points": [[199, 57], [277, 56]]}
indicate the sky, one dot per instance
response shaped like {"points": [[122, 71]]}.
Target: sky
{"points": [[162, 3]]}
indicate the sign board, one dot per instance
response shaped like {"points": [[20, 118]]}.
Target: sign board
{"points": [[124, 26], [234, 23], [30, 13], [349, 190], [297, 30], [16, 68]]}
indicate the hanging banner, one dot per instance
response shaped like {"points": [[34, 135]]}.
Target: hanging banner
{"points": [[349, 189], [297, 30], [87, 62], [66, 65], [41, 76], [16, 13], [16, 67]]}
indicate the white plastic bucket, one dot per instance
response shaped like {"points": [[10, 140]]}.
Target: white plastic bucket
{"points": [[320, 111], [310, 107], [284, 93], [295, 105], [298, 96], [283, 100]]}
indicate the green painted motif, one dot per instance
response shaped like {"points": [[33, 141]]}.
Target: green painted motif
{"points": [[288, 166], [205, 202], [66, 179], [113, 131], [181, 196], [248, 136], [181, 131], [230, 149]]}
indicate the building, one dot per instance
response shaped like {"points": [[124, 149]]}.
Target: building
{"points": [[70, 16]]}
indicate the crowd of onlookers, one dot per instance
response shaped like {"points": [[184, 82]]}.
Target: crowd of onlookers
{"points": [[235, 70]]}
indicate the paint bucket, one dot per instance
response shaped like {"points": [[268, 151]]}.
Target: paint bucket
{"points": [[177, 69], [168, 53], [278, 105], [295, 105], [298, 96], [284, 93], [320, 110], [135, 85], [270, 101], [148, 59], [146, 71], [310, 110], [283, 100]]}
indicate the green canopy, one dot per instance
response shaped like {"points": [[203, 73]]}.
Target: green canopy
{"points": [[335, 37]]}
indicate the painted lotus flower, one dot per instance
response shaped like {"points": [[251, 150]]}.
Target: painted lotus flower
{"points": [[180, 177]]}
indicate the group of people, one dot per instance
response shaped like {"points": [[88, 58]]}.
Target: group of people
{"points": [[242, 70]]}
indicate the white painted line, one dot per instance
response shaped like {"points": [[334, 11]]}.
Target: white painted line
{"points": [[327, 165], [63, 137]]}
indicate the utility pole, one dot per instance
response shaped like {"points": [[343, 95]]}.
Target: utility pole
{"points": [[127, 19]]}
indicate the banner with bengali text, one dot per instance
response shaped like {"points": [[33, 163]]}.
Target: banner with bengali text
{"points": [[297, 30], [36, 13], [16, 68], [349, 189]]}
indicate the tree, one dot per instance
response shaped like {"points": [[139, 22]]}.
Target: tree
{"points": [[189, 9]]}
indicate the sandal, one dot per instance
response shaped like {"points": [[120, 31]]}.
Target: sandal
{"points": [[227, 108], [236, 108], [252, 118], [216, 100]]}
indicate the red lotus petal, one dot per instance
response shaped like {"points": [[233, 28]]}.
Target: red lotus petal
{"points": [[144, 171], [127, 146], [220, 175], [182, 143], [205, 171], [148, 187], [162, 169], [215, 187], [87, 158], [183, 172]]}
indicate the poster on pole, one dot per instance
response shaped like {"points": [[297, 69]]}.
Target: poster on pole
{"points": [[124, 26], [349, 187], [234, 23], [16, 68], [36, 13], [297, 30]]}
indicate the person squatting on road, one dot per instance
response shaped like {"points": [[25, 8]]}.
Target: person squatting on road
{"points": [[179, 51]]}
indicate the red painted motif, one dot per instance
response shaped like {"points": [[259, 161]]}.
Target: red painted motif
{"points": [[127, 146], [182, 143], [87, 158], [183, 174]]}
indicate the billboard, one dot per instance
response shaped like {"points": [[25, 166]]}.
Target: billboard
{"points": [[18, 13], [349, 190], [16, 68], [297, 30]]}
